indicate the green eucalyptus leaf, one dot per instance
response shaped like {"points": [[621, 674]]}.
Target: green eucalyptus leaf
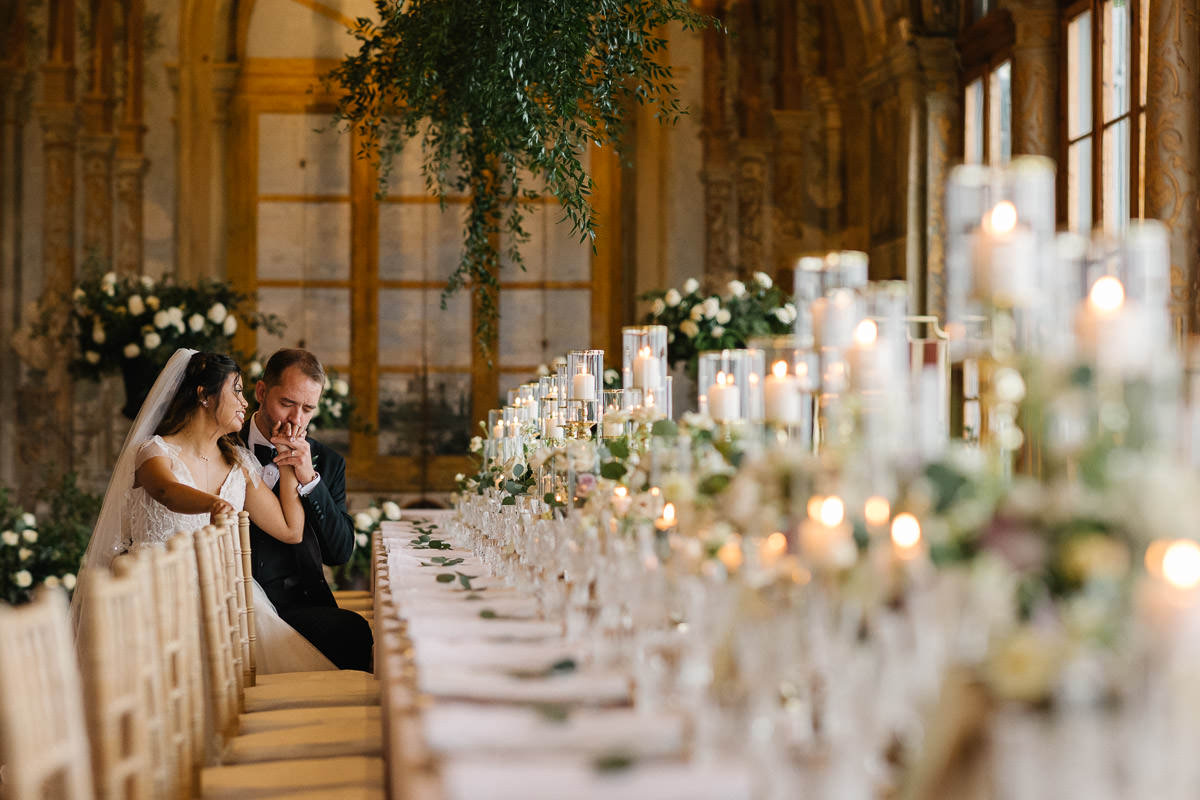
{"points": [[613, 470], [664, 427], [445, 577], [618, 448]]}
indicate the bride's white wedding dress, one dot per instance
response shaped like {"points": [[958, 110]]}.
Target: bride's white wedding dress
{"points": [[279, 647]]}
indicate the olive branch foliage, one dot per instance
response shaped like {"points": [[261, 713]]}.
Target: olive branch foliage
{"points": [[505, 96]]}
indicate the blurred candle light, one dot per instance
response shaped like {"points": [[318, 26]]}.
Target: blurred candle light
{"points": [[832, 511], [667, 520], [621, 500], [877, 511], [906, 535], [730, 554], [1181, 564], [773, 548]]}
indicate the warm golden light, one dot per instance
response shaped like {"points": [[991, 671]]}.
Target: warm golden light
{"points": [[1003, 218], [774, 547], [731, 554], [779, 368], [906, 531], [833, 511], [1181, 564], [877, 510], [621, 491], [1154, 557], [814, 507], [866, 332], [1107, 295], [668, 514], [644, 351], [655, 491], [720, 378]]}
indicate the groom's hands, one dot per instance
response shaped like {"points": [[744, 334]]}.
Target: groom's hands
{"points": [[294, 451]]}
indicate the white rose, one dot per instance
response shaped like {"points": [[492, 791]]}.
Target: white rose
{"points": [[68, 581], [28, 520], [98, 335], [690, 286], [196, 323], [151, 340], [476, 444], [341, 387], [763, 280], [711, 306], [672, 298], [392, 511], [136, 306], [230, 325], [717, 331], [376, 512], [51, 581], [78, 295], [23, 579], [132, 350], [162, 319], [737, 288], [175, 314], [30, 535], [92, 357], [459, 477], [178, 325], [363, 521], [689, 328], [255, 369], [658, 306], [335, 410], [543, 371], [147, 282], [723, 316], [152, 304], [217, 313], [361, 539], [697, 312], [110, 289], [325, 386], [10, 538], [24, 553], [109, 278], [782, 315]]}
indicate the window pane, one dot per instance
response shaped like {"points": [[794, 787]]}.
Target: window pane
{"points": [[973, 122], [1079, 186], [424, 413], [1000, 114], [317, 319], [1115, 173], [1079, 75], [1115, 90], [1141, 187], [305, 241], [1143, 49]]}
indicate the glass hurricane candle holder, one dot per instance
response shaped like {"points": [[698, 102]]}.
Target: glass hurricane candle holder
{"points": [[787, 388], [584, 383], [844, 269], [808, 280], [730, 384], [617, 412], [644, 357]]}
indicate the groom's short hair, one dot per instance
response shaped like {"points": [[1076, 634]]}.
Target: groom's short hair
{"points": [[303, 360]]}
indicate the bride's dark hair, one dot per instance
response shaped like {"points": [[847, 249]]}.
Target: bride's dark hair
{"points": [[203, 379]]}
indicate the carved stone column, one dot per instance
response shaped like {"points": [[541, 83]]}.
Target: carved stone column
{"points": [[943, 145], [1173, 145], [97, 143], [753, 209], [1035, 77], [716, 173], [131, 162]]}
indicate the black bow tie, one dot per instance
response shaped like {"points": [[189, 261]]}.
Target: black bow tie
{"points": [[264, 453]]}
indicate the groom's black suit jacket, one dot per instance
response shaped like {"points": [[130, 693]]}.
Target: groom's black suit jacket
{"points": [[291, 573]]}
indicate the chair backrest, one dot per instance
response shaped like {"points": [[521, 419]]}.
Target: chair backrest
{"points": [[43, 740], [113, 633], [224, 680], [175, 600], [247, 574], [231, 550]]}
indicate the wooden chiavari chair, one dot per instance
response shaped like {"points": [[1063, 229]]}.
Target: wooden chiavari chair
{"points": [[43, 740]]}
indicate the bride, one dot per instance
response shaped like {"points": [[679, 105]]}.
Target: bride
{"points": [[181, 465]]}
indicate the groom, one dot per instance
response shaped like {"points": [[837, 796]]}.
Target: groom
{"points": [[288, 395]]}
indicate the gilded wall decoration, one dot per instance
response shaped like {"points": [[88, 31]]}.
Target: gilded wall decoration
{"points": [[1034, 79], [752, 252]]}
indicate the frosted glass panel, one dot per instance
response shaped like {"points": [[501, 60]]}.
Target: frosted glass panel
{"points": [[424, 413], [304, 241], [553, 252], [317, 319], [419, 241], [414, 330], [537, 325], [302, 154]]}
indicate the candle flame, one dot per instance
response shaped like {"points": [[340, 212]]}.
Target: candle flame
{"points": [[731, 554], [721, 378], [669, 513], [621, 491], [877, 510], [1181, 564], [779, 368], [833, 511], [644, 351], [774, 547], [649, 400], [1003, 218], [906, 531], [867, 332], [1107, 295], [814, 507]]}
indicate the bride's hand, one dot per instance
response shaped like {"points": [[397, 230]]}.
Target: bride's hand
{"points": [[218, 508]]}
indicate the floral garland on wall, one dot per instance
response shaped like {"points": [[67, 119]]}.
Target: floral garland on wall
{"points": [[698, 321]]}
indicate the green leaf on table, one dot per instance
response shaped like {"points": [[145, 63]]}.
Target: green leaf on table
{"points": [[713, 484], [450, 562], [553, 712], [474, 594], [563, 666], [551, 500], [438, 559], [487, 613], [664, 427], [619, 448], [465, 580], [514, 488], [445, 577], [613, 762], [518, 470], [613, 470], [509, 501]]}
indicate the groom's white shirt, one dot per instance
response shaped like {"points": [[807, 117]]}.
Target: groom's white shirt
{"points": [[270, 472]]}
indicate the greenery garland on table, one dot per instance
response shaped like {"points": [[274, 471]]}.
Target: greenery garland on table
{"points": [[512, 92]]}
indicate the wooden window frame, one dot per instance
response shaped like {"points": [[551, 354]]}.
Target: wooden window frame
{"points": [[983, 47], [1099, 126]]}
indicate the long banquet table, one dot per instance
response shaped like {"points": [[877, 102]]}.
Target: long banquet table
{"points": [[486, 699]]}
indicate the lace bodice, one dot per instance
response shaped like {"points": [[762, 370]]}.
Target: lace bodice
{"points": [[147, 521]]}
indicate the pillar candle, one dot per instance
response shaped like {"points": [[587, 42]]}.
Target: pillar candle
{"points": [[781, 396], [724, 402], [583, 386], [646, 369]]}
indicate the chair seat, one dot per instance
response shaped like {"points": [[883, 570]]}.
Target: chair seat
{"points": [[308, 693], [342, 678], [279, 778], [325, 740], [340, 793], [283, 718], [357, 604]]}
